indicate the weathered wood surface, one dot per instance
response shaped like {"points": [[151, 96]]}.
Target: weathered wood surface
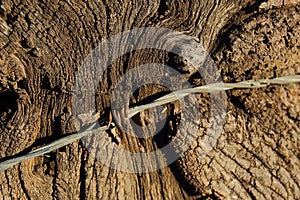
{"points": [[42, 45]]}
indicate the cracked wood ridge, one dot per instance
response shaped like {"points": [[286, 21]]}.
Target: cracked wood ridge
{"points": [[42, 45]]}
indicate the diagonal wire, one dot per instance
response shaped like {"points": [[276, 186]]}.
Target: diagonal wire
{"points": [[49, 147], [175, 95], [215, 87]]}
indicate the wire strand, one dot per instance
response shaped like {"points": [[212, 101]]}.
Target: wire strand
{"points": [[175, 95]]}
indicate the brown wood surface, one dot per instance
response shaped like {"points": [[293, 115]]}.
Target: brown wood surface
{"points": [[43, 43]]}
